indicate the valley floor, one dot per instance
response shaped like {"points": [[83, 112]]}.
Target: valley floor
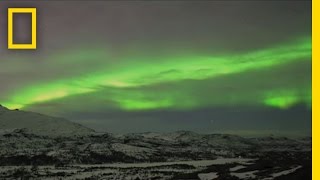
{"points": [[221, 168]]}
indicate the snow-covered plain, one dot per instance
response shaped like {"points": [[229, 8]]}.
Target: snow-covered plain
{"points": [[127, 170], [199, 163]]}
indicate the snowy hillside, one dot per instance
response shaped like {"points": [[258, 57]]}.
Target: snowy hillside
{"points": [[176, 155], [39, 124], [36, 146]]}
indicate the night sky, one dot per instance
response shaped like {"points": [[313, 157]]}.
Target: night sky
{"points": [[240, 67]]}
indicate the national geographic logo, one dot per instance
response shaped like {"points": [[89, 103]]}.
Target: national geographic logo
{"points": [[28, 11]]}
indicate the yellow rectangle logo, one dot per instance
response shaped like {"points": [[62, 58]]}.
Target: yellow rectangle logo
{"points": [[33, 12]]}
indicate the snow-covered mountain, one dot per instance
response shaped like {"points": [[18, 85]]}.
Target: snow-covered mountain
{"points": [[73, 151], [39, 124]]}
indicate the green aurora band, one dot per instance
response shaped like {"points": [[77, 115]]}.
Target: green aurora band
{"points": [[125, 80]]}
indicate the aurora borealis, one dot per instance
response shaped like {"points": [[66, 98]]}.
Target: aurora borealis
{"points": [[112, 63], [168, 70]]}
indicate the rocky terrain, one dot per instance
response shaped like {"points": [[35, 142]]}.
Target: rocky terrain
{"points": [[41, 151], [178, 155]]}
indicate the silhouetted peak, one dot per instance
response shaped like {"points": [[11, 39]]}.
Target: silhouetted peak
{"points": [[2, 108]]}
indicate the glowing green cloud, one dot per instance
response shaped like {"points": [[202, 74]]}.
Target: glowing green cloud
{"points": [[285, 99], [144, 72]]}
